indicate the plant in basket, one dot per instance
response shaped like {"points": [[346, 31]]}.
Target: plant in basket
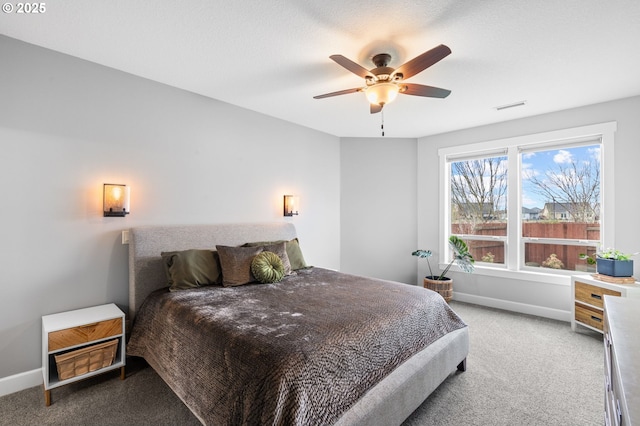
{"points": [[441, 283], [461, 257]]}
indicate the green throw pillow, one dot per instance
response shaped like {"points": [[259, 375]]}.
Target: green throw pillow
{"points": [[267, 267], [295, 255], [191, 268]]}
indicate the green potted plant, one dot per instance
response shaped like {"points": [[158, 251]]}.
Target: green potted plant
{"points": [[590, 263], [614, 263], [441, 283]]}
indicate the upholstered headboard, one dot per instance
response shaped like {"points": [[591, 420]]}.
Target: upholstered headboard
{"points": [[146, 272]]}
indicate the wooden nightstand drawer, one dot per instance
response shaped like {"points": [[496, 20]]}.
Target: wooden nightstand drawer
{"points": [[588, 315], [589, 292], [592, 295], [84, 333]]}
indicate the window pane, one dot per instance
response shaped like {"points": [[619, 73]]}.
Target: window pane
{"points": [[491, 252], [557, 256], [479, 196], [561, 188]]}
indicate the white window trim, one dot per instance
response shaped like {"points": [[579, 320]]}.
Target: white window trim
{"points": [[604, 131]]}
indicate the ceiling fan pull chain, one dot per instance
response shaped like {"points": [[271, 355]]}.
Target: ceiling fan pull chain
{"points": [[382, 123]]}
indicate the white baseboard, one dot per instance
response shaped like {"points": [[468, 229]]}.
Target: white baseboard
{"points": [[20, 381], [507, 305]]}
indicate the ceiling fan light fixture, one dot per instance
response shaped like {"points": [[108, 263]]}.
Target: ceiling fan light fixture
{"points": [[382, 93], [383, 83]]}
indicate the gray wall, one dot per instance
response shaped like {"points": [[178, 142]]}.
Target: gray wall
{"points": [[67, 126], [552, 300], [378, 207]]}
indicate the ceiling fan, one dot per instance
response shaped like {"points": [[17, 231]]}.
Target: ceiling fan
{"points": [[383, 83]]}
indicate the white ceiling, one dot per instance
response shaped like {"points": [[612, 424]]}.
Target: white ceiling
{"points": [[273, 56]]}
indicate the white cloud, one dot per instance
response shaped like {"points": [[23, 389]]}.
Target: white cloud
{"points": [[528, 171], [563, 157]]}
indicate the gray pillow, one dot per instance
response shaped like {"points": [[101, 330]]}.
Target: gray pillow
{"points": [[281, 250], [236, 264], [292, 247]]}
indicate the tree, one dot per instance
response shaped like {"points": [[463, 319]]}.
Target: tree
{"points": [[575, 185], [478, 191]]}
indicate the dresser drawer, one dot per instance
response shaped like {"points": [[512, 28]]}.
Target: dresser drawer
{"points": [[589, 315], [592, 294], [85, 333], [610, 414]]}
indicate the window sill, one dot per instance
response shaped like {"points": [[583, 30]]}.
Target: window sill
{"points": [[534, 276]]}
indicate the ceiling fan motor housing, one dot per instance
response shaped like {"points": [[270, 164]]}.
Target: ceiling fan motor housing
{"points": [[381, 59], [381, 71]]}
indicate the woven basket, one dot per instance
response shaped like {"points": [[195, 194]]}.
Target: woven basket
{"points": [[84, 360], [443, 287]]}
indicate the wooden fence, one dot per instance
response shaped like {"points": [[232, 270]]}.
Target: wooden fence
{"points": [[536, 254]]}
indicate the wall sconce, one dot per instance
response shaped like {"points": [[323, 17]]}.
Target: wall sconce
{"points": [[116, 200], [290, 205]]}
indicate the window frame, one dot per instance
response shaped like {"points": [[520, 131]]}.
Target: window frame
{"points": [[513, 147]]}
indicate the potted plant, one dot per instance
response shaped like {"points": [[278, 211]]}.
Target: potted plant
{"points": [[441, 283], [590, 263], [614, 263]]}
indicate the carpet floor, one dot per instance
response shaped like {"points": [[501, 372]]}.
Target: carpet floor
{"points": [[521, 370]]}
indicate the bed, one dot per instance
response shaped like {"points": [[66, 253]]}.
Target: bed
{"points": [[317, 347]]}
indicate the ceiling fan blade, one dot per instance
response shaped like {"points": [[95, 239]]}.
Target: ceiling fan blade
{"points": [[338, 93], [422, 62], [422, 90], [375, 108], [352, 66]]}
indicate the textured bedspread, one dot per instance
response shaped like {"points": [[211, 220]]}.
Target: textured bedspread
{"points": [[298, 352]]}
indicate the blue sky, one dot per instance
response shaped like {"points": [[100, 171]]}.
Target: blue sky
{"points": [[540, 161]]}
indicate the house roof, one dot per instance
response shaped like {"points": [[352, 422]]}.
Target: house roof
{"points": [[273, 57], [556, 207], [534, 210]]}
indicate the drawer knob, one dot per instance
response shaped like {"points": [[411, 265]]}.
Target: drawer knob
{"points": [[596, 318], [596, 296], [618, 411]]}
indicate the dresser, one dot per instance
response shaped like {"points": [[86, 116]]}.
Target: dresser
{"points": [[588, 296], [80, 344], [621, 361]]}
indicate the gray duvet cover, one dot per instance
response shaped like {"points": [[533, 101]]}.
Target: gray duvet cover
{"points": [[298, 352]]}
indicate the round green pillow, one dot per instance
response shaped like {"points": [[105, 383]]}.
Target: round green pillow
{"points": [[267, 267]]}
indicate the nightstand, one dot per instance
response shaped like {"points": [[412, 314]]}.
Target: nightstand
{"points": [[80, 344], [587, 296]]}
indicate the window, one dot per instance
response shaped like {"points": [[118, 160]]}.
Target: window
{"points": [[478, 204], [531, 204]]}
